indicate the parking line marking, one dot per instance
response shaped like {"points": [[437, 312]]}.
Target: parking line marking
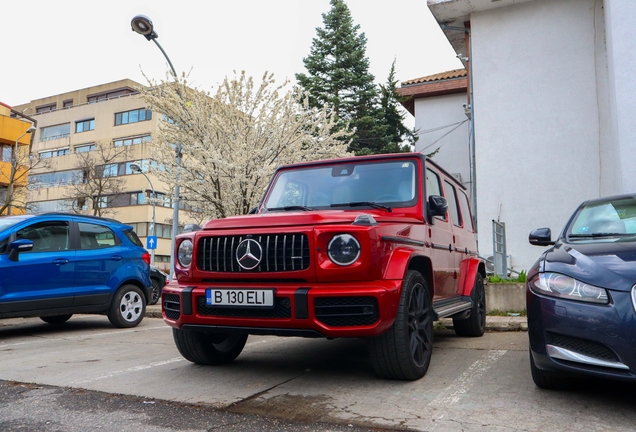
{"points": [[83, 337], [131, 369], [463, 383]]}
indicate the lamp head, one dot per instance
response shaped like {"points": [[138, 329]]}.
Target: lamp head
{"points": [[135, 167], [30, 130], [143, 25]]}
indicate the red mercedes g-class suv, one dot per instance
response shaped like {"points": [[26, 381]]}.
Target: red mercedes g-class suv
{"points": [[377, 247]]}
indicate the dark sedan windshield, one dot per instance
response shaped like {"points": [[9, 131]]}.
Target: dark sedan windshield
{"points": [[610, 218]]}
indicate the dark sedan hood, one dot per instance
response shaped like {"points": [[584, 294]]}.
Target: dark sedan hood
{"points": [[607, 264]]}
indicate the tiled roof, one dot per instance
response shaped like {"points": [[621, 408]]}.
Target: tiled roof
{"points": [[456, 73]]}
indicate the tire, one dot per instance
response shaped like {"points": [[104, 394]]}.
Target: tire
{"points": [[208, 349], [475, 324], [57, 319], [155, 292], [404, 351], [128, 307], [546, 380]]}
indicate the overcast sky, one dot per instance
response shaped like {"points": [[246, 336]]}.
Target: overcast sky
{"points": [[54, 46]]}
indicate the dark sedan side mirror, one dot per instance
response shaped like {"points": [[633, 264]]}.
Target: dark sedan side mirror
{"points": [[17, 246], [437, 206], [541, 237]]}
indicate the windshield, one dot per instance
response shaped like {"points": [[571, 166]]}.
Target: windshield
{"points": [[367, 184], [605, 219], [9, 221]]}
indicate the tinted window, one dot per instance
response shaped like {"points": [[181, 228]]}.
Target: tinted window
{"points": [[94, 236], [133, 237], [467, 218], [451, 196], [46, 236]]}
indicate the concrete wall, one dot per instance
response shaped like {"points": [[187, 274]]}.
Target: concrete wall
{"points": [[505, 297], [434, 112], [538, 117]]}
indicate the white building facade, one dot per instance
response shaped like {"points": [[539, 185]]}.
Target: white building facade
{"points": [[554, 108]]}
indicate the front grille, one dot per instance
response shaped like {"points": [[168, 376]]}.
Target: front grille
{"points": [[281, 252], [282, 309], [582, 346], [346, 311], [172, 306]]}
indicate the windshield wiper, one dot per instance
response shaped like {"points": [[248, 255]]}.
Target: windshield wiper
{"points": [[598, 235], [290, 208], [362, 204]]}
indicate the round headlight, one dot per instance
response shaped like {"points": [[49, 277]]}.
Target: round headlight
{"points": [[184, 253], [343, 249]]}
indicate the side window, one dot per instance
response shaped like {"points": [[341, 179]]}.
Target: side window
{"points": [[93, 236], [452, 203], [46, 236], [468, 219], [433, 187]]}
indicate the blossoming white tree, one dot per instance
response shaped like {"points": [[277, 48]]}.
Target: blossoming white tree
{"points": [[233, 141]]}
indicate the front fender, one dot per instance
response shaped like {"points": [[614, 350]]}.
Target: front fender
{"points": [[398, 263]]}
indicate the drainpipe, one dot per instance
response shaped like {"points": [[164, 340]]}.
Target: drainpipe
{"points": [[471, 101]]}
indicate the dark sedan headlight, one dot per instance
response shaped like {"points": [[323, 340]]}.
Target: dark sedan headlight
{"points": [[184, 253], [565, 287], [343, 249]]}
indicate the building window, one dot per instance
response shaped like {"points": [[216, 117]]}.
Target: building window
{"points": [[83, 148], [55, 153], [7, 152], [52, 179], [55, 132], [67, 103], [84, 125], [109, 95], [123, 168], [133, 116], [50, 206], [131, 141], [46, 108]]}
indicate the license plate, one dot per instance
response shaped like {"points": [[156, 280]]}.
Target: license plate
{"points": [[243, 297]]}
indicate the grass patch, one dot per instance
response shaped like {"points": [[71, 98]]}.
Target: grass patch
{"points": [[497, 312], [522, 278]]}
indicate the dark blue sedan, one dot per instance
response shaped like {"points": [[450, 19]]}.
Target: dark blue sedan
{"points": [[581, 296]]}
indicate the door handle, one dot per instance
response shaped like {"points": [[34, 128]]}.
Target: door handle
{"points": [[60, 261], [116, 258]]}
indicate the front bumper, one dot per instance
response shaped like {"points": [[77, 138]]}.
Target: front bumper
{"points": [[578, 338], [309, 310]]}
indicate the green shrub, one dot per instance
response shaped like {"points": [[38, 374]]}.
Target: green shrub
{"points": [[522, 278]]}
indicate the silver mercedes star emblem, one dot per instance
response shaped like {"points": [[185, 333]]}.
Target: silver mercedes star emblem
{"points": [[249, 254]]}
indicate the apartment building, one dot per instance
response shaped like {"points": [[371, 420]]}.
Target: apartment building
{"points": [[15, 139], [70, 125]]}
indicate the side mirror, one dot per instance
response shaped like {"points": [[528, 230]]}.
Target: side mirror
{"points": [[541, 237], [191, 227], [253, 211], [17, 246], [437, 206]]}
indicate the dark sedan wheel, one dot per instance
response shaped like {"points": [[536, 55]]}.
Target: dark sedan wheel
{"points": [[155, 293], [57, 319], [475, 324], [404, 351], [128, 307], [208, 349]]}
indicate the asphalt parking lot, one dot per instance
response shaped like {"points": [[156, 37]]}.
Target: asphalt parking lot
{"points": [[473, 384]]}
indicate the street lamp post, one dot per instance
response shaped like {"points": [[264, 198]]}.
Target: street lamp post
{"points": [[143, 25], [136, 168], [14, 168]]}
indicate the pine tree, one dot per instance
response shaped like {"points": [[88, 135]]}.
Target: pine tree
{"points": [[398, 137], [338, 75]]}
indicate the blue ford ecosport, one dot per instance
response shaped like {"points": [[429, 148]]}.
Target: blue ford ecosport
{"points": [[57, 264]]}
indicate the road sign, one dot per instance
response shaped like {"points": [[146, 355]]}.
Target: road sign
{"points": [[151, 242]]}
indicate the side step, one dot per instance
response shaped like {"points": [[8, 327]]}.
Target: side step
{"points": [[446, 308]]}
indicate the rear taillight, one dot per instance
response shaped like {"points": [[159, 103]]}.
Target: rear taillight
{"points": [[146, 258]]}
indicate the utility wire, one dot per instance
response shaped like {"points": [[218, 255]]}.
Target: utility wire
{"points": [[443, 136]]}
